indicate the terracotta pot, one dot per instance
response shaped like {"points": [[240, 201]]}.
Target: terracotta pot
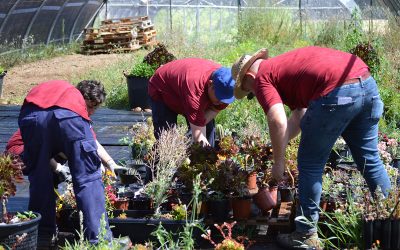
{"points": [[252, 180], [241, 207], [266, 198], [121, 203]]}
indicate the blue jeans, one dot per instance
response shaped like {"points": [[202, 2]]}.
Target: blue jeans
{"points": [[352, 111], [163, 117]]}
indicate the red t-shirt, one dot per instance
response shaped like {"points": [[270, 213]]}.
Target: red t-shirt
{"points": [[58, 93], [182, 86], [299, 76], [15, 145]]}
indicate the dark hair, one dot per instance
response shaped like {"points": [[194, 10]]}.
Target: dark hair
{"points": [[92, 90]]}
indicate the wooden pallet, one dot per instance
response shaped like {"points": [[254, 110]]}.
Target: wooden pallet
{"points": [[125, 33]]}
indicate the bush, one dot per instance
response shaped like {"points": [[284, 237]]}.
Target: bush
{"points": [[142, 69]]}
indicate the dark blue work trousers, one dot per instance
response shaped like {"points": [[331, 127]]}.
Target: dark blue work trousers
{"points": [[164, 117], [45, 133]]}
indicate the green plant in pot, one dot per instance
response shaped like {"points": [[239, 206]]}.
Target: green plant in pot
{"points": [[241, 200], [13, 225], [139, 75], [167, 155], [141, 140]]}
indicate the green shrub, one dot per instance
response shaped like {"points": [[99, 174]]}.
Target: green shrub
{"points": [[142, 69], [2, 70]]}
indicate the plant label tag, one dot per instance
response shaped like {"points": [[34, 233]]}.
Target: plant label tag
{"points": [[344, 100]]}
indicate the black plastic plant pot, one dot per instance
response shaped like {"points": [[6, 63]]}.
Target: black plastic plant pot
{"points": [[139, 230], [140, 203], [386, 234], [286, 194], [377, 231], [137, 92], [127, 179], [134, 213], [218, 210], [65, 221], [9, 234], [395, 240], [142, 169], [368, 233]]}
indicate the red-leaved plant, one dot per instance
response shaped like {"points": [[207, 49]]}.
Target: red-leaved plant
{"points": [[10, 174], [228, 242]]}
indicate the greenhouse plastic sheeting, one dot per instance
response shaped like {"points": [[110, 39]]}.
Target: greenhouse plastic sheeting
{"points": [[45, 21], [49, 21], [196, 16]]}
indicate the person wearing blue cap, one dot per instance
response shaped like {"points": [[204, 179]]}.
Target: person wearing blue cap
{"points": [[195, 88]]}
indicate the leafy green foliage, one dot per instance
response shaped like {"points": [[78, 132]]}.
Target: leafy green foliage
{"points": [[1, 70], [27, 215], [142, 69]]}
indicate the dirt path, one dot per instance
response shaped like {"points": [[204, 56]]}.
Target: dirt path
{"points": [[19, 80]]}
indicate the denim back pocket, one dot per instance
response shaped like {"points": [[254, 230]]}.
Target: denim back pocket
{"points": [[376, 108]]}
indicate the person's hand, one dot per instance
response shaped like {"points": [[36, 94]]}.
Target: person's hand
{"points": [[278, 169], [63, 173], [114, 166]]}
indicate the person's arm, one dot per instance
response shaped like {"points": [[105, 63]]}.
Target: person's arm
{"points": [[106, 159], [294, 122], [278, 130], [199, 134], [210, 114]]}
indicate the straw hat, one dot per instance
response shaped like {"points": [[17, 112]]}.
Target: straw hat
{"points": [[241, 66]]}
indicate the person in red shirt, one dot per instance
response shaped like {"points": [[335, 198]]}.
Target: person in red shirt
{"points": [[55, 118], [330, 93], [195, 88]]}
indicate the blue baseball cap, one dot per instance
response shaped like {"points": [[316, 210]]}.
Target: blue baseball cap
{"points": [[223, 85]]}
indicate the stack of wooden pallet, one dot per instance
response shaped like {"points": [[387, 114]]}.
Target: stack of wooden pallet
{"points": [[121, 35]]}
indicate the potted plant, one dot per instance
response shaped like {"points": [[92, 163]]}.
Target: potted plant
{"points": [[241, 199], [167, 155], [139, 75], [137, 80], [3, 72], [20, 230]]}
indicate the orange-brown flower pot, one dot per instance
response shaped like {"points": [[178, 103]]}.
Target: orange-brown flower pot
{"points": [[121, 203], [241, 207], [266, 198], [252, 180]]}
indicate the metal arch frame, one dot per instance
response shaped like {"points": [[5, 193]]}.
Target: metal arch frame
{"points": [[28, 30], [8, 15], [76, 20], [91, 20], [55, 21]]}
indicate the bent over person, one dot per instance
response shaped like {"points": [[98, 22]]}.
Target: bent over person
{"points": [[195, 88], [55, 118], [330, 93]]}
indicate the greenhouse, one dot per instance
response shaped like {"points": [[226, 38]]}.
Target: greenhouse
{"points": [[199, 124]]}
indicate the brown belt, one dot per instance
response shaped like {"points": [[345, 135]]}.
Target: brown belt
{"points": [[363, 77]]}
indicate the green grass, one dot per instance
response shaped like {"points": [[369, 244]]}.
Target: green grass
{"points": [[11, 55]]}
